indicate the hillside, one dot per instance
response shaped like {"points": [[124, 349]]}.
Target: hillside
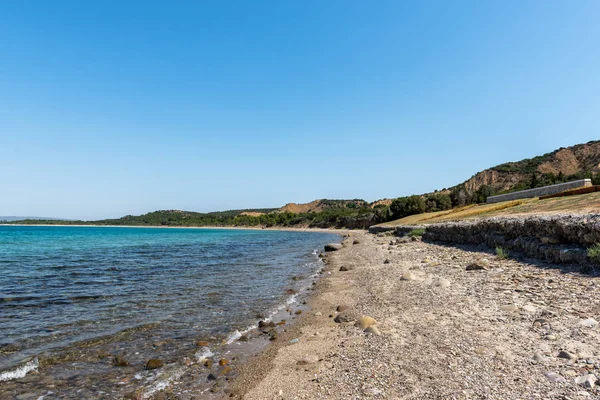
{"points": [[575, 162]]}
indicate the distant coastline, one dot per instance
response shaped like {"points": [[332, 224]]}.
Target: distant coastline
{"points": [[248, 228]]}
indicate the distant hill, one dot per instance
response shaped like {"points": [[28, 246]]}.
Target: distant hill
{"points": [[14, 218], [320, 205], [567, 163]]}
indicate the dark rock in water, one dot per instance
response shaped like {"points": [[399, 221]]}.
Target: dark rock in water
{"points": [[243, 338], [223, 361], [209, 363], [225, 370], [333, 247], [298, 312], [215, 388], [154, 363], [343, 317], [290, 291], [273, 335], [212, 377], [202, 343], [119, 361], [265, 324]]}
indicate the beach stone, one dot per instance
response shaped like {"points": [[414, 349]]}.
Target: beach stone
{"points": [[209, 363], [365, 322], [589, 381], [243, 338], [373, 330], [225, 370], [318, 314], [273, 335], [154, 363], [342, 308], [566, 355], [212, 377], [539, 357], [530, 308], [510, 308], [476, 266], [333, 247], [202, 343], [440, 282], [344, 317], [588, 323], [343, 268], [386, 261], [308, 359], [265, 324], [407, 276], [554, 377], [356, 241], [119, 361], [223, 361], [298, 312]]}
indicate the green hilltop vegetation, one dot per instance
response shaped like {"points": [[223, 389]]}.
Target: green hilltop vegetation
{"points": [[339, 214]]}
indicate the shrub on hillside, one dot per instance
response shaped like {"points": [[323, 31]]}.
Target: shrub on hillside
{"points": [[405, 206], [593, 253]]}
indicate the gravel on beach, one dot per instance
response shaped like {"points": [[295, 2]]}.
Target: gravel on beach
{"points": [[437, 329]]}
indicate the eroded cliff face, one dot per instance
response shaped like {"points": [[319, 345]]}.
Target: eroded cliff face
{"points": [[569, 161], [498, 180]]}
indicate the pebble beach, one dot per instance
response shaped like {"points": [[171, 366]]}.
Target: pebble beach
{"points": [[393, 318]]}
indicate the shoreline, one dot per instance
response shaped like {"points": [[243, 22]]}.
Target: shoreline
{"points": [[248, 228]]}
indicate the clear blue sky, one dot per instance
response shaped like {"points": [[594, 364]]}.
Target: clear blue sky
{"points": [[112, 108]]}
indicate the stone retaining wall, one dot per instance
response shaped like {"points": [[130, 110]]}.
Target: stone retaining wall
{"points": [[542, 191], [557, 238]]}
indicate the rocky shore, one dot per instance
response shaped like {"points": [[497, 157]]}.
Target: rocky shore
{"points": [[399, 318]]}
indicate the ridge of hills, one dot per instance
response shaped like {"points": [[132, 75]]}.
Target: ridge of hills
{"points": [[566, 163]]}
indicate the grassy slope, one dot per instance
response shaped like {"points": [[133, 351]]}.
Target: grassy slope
{"points": [[574, 204]]}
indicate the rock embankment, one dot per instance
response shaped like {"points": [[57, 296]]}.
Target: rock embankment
{"points": [[553, 238]]}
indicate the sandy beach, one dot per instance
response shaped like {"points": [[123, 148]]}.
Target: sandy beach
{"points": [[450, 323]]}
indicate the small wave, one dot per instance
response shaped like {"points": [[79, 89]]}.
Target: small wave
{"points": [[162, 383], [203, 354], [21, 371]]}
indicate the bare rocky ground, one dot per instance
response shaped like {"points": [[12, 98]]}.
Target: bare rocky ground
{"points": [[450, 324]]}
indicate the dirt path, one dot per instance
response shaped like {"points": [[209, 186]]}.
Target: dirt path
{"points": [[445, 332]]}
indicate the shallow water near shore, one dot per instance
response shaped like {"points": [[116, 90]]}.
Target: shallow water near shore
{"points": [[71, 298]]}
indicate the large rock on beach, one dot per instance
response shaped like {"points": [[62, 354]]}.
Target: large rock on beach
{"points": [[333, 247], [344, 317], [119, 361], [365, 322]]}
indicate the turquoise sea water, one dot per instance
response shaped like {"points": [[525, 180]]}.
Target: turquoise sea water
{"points": [[63, 285]]}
